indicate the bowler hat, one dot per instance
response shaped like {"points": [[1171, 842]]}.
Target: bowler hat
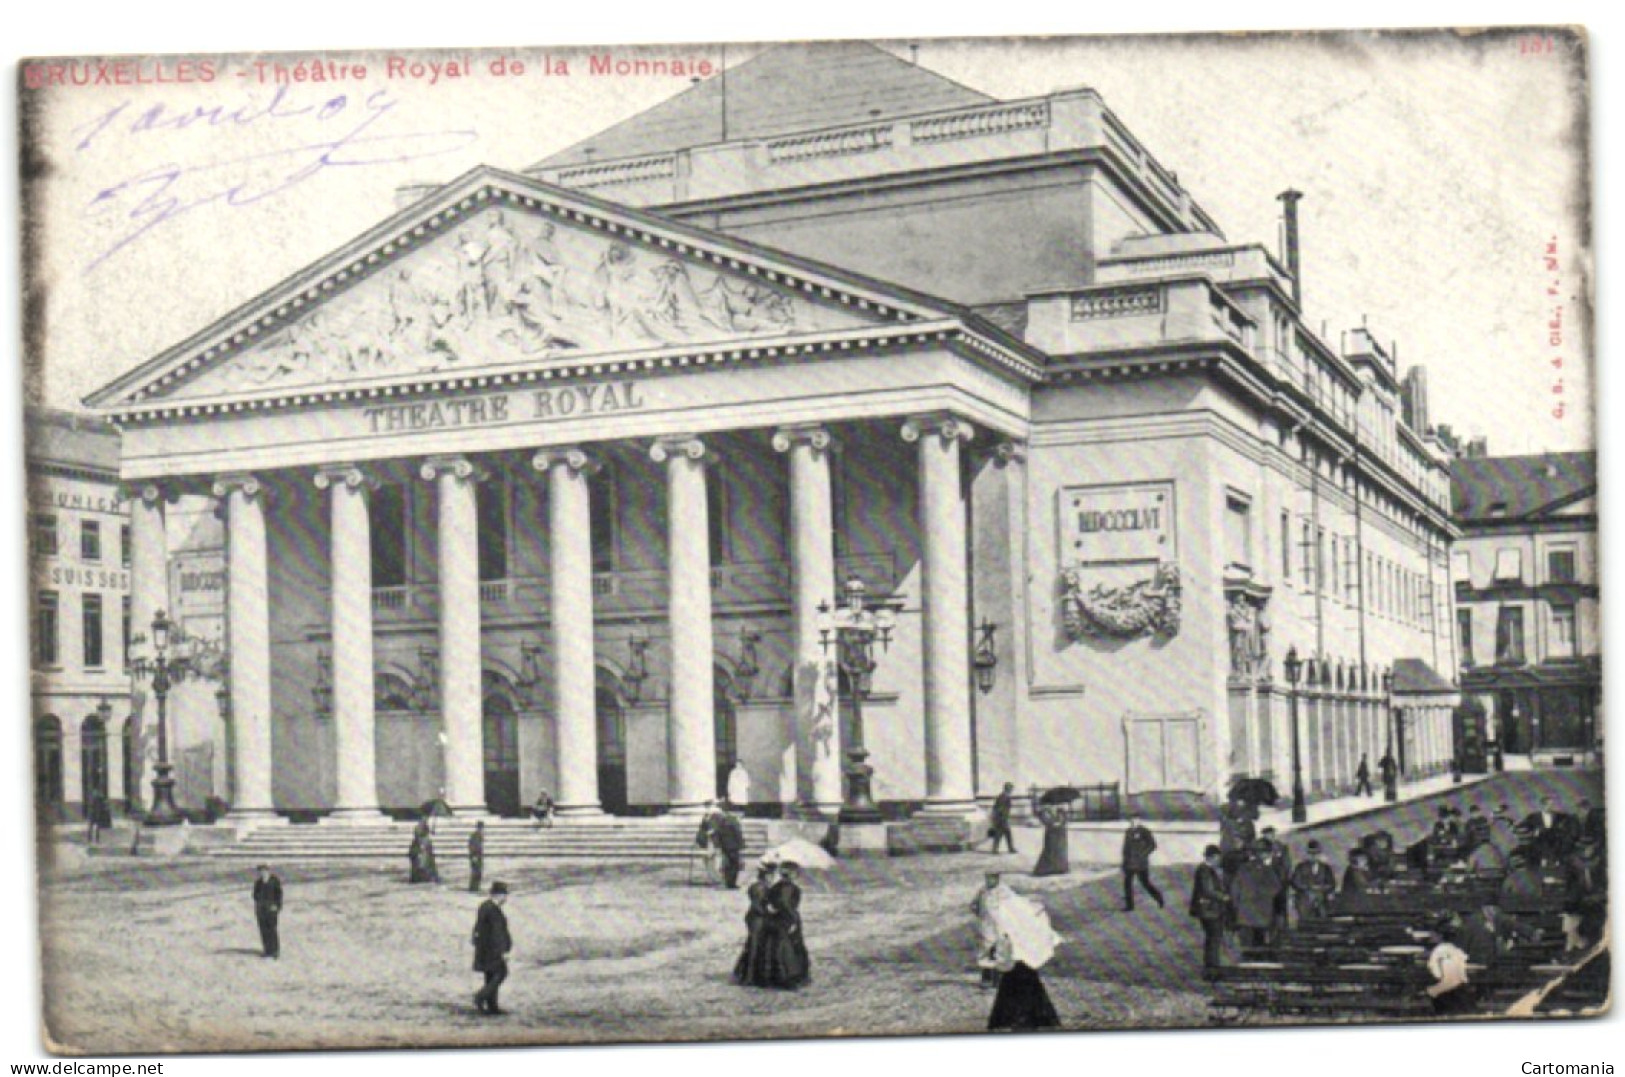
{"points": [[498, 888]]}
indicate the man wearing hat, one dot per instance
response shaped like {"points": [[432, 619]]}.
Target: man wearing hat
{"points": [[1210, 904], [267, 907], [491, 946], [1313, 883]]}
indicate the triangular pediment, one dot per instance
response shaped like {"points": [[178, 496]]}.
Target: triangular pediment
{"points": [[499, 271]]}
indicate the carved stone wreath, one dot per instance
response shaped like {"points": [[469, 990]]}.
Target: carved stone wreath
{"points": [[1143, 608]]}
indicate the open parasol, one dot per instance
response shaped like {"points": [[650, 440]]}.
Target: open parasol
{"points": [[1061, 794], [802, 852], [1254, 791]]}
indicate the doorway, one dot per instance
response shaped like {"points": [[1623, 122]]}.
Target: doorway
{"points": [[611, 752], [501, 736]]}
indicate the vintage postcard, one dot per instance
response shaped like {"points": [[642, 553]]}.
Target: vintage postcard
{"points": [[618, 544]]}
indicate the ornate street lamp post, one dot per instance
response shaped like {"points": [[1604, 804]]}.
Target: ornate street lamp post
{"points": [[165, 670], [854, 630], [1294, 670]]}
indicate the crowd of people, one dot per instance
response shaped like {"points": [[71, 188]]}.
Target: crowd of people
{"points": [[1248, 893]]}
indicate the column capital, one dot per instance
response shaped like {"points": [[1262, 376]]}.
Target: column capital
{"points": [[945, 425], [669, 448], [573, 457], [151, 492], [344, 475], [814, 434], [1007, 451], [458, 467], [250, 486]]}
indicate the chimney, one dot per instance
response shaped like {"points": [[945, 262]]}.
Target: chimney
{"points": [[1290, 200]]}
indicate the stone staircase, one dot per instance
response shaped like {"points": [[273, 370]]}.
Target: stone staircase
{"points": [[505, 839]]}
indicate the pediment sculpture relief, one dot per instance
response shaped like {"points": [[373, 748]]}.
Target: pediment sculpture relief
{"points": [[1147, 607], [509, 287]]}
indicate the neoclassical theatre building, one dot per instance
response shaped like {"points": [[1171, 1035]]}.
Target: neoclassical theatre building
{"points": [[541, 483]]}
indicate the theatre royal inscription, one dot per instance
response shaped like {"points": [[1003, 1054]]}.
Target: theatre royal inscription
{"points": [[570, 401]]}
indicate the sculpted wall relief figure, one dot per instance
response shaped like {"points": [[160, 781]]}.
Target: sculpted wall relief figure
{"points": [[507, 287]]}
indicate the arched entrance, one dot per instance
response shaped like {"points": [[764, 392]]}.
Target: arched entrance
{"points": [[501, 736], [726, 729], [48, 763], [92, 761], [611, 751]]}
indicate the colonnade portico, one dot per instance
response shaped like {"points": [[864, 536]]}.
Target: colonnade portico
{"points": [[691, 778]]}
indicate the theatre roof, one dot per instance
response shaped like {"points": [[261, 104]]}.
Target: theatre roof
{"points": [[794, 87]]}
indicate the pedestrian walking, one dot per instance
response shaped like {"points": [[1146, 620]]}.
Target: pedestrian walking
{"points": [[1362, 778], [97, 816], [783, 948], [1390, 775], [1210, 904], [267, 907], [1138, 845], [985, 906], [1026, 943], [998, 828], [1053, 860], [476, 857], [730, 841], [751, 967], [492, 943]]}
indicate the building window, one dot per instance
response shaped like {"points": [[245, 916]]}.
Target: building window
{"points": [[92, 611], [1560, 565], [1351, 572], [47, 629], [1238, 538], [44, 532], [1508, 566], [124, 545], [386, 514], [1306, 552], [1286, 545], [601, 515], [1509, 635], [1335, 587], [90, 540], [1464, 634], [492, 501], [124, 628], [1565, 642]]}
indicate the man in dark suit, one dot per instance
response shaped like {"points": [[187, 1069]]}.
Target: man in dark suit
{"points": [[476, 857], [1554, 833], [1313, 884], [1210, 902], [491, 946], [999, 819], [267, 907], [1138, 845], [730, 840]]}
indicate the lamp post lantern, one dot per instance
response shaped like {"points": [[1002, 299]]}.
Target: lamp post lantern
{"points": [[1294, 669], [853, 630], [165, 670]]}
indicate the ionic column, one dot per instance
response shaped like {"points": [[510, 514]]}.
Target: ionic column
{"points": [[458, 560], [149, 594], [350, 552], [945, 616], [812, 572], [248, 641], [691, 733], [575, 701]]}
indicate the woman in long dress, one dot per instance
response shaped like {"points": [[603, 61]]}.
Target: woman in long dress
{"points": [[783, 950], [415, 853], [1026, 944], [1053, 860], [750, 967]]}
